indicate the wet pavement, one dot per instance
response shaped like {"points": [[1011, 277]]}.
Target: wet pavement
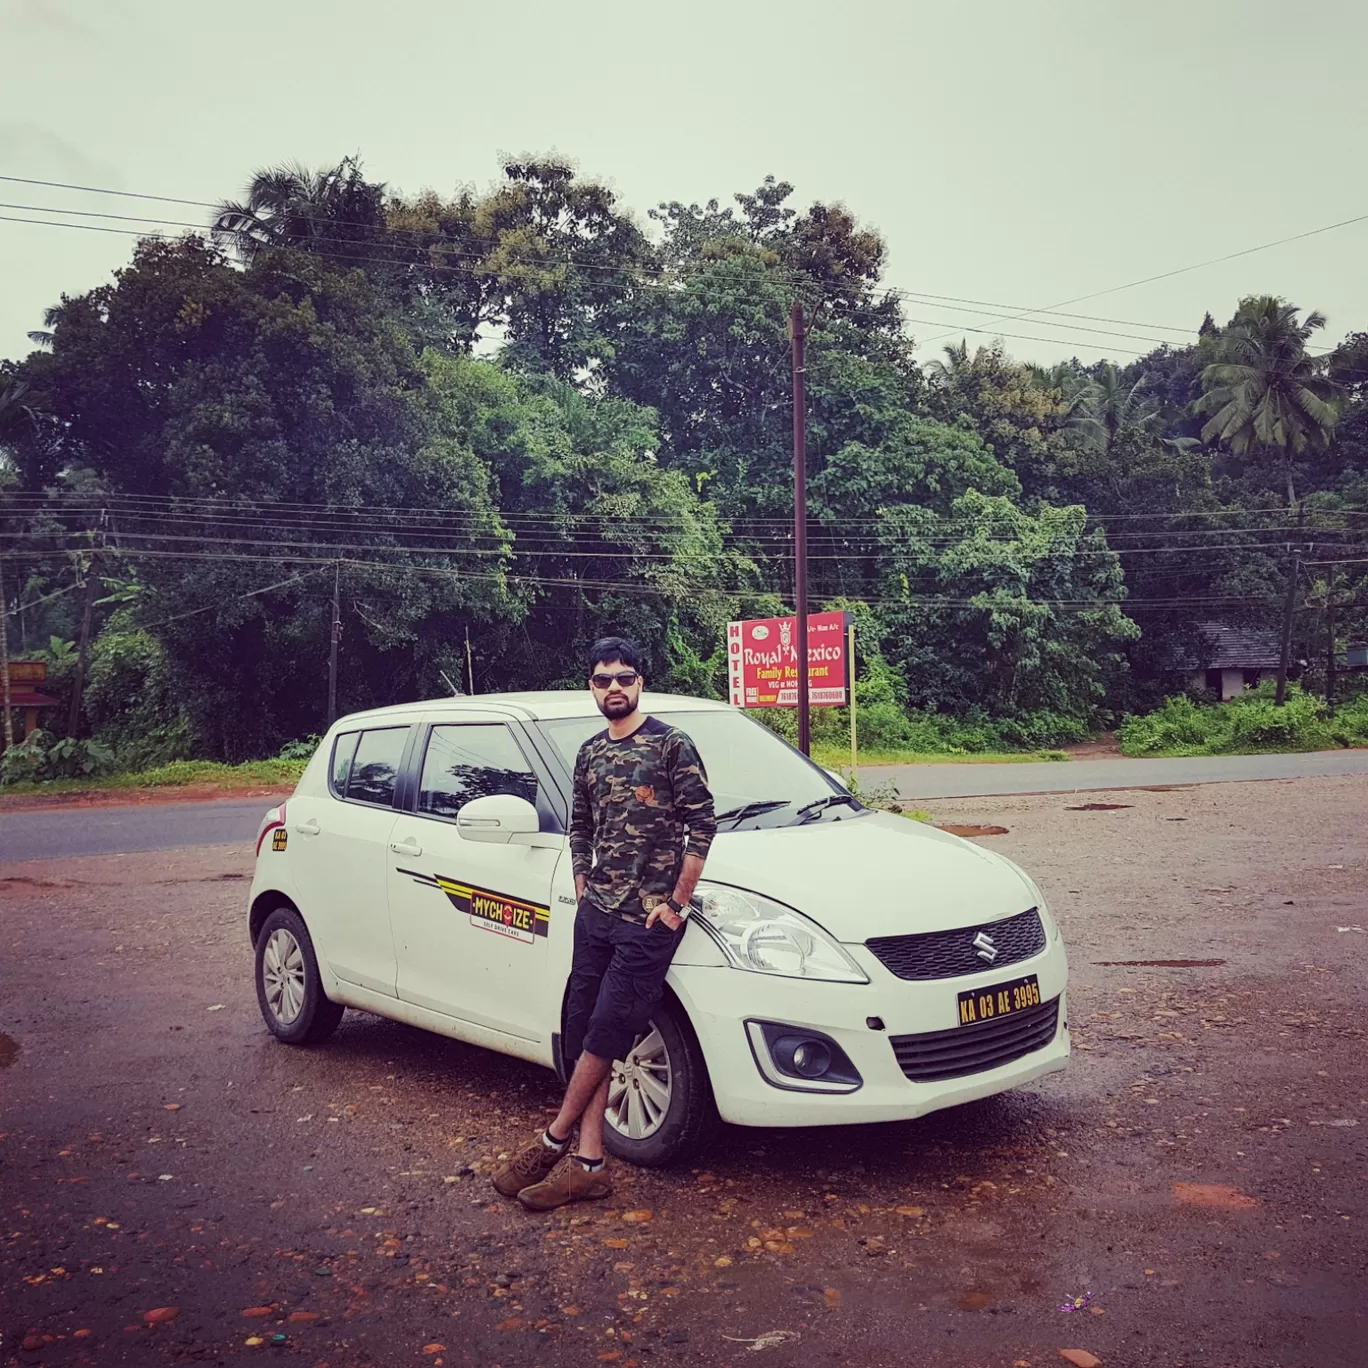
{"points": [[1199, 1175]]}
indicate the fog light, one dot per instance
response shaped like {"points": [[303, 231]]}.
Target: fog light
{"points": [[812, 1059], [807, 1058], [797, 1057]]}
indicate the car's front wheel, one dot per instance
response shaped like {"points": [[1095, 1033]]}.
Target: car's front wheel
{"points": [[289, 989], [660, 1103]]}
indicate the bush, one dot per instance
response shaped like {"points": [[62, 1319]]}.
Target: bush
{"points": [[40, 757], [302, 749], [1245, 725], [129, 700]]}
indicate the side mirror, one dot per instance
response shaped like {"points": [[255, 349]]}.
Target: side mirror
{"points": [[498, 819]]}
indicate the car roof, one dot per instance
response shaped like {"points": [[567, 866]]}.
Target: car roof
{"points": [[543, 705]]}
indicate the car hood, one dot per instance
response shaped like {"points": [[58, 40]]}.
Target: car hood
{"points": [[876, 875]]}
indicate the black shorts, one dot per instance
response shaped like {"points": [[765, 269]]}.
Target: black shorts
{"points": [[616, 977]]}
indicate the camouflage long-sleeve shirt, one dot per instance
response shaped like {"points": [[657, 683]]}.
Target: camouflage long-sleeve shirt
{"points": [[640, 804]]}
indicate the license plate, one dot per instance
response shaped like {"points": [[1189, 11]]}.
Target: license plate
{"points": [[998, 1000]]}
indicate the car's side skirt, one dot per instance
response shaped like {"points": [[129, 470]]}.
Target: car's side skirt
{"points": [[536, 1051]]}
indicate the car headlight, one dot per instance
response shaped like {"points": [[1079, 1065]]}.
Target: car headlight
{"points": [[765, 937]]}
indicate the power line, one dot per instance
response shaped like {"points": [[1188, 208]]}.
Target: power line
{"points": [[1018, 311], [1166, 275], [182, 505], [100, 190], [1014, 314], [954, 303], [388, 233], [361, 260]]}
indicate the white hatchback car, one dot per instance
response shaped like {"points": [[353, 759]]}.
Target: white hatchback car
{"points": [[840, 965]]}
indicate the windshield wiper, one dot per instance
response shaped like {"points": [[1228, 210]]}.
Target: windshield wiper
{"points": [[739, 814], [809, 811]]}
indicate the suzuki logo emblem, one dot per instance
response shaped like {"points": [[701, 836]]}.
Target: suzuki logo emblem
{"points": [[987, 950]]}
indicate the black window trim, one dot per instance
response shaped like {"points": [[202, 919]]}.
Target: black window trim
{"points": [[332, 762], [550, 802], [400, 772]]}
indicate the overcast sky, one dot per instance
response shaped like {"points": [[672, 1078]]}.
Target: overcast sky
{"points": [[1009, 151]]}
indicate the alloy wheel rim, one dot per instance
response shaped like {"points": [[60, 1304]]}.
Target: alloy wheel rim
{"points": [[282, 976], [639, 1088]]}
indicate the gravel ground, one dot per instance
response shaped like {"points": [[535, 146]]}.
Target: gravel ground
{"points": [[1199, 1170]]}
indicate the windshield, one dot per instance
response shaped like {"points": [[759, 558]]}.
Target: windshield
{"points": [[746, 763]]}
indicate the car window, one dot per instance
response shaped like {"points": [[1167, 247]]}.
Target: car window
{"points": [[376, 764], [745, 761], [344, 748], [472, 760]]}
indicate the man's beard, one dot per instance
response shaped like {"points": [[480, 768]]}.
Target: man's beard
{"points": [[610, 707]]}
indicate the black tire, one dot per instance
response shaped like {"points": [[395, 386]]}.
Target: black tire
{"points": [[317, 1015], [691, 1114]]}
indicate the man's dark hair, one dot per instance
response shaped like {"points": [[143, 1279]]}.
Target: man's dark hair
{"points": [[615, 648]]}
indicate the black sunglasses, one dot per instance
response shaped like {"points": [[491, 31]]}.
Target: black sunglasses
{"points": [[626, 678]]}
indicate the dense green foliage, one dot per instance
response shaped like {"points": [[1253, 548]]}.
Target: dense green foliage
{"points": [[500, 424], [1246, 725]]}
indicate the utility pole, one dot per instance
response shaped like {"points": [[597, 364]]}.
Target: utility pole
{"points": [[332, 647], [1330, 641], [4, 663], [87, 617], [1289, 607], [798, 336], [470, 664]]}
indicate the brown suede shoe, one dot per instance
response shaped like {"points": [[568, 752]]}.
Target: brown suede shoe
{"points": [[530, 1165], [569, 1181]]}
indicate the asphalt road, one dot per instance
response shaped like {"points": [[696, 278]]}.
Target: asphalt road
{"points": [[47, 833], [1196, 1174], [1082, 776]]}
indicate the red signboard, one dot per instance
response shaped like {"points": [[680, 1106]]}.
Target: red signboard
{"points": [[762, 661]]}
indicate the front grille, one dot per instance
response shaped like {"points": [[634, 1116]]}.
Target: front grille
{"points": [[936, 1055], [950, 954]]}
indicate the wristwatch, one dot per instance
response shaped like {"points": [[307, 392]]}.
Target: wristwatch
{"points": [[675, 907]]}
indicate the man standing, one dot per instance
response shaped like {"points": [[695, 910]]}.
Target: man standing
{"points": [[639, 833]]}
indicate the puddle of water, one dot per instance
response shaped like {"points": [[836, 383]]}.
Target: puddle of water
{"points": [[9, 1051], [1163, 964], [975, 830], [1099, 807]]}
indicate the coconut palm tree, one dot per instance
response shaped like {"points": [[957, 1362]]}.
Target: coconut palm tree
{"points": [[1116, 409], [1264, 392], [333, 211]]}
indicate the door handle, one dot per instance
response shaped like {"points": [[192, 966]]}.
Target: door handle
{"points": [[309, 828], [408, 846]]}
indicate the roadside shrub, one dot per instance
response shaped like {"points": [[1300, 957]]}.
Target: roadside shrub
{"points": [[22, 762], [40, 757], [302, 749], [129, 700], [1243, 726]]}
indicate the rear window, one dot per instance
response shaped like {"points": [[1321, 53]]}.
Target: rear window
{"points": [[375, 766], [344, 748]]}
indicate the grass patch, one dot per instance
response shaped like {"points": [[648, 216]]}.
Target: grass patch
{"points": [[838, 757], [1248, 725], [178, 774]]}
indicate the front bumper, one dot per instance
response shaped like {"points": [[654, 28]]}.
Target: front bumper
{"points": [[720, 1000]]}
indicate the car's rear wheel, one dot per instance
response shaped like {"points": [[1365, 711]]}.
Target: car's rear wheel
{"points": [[660, 1103], [289, 989]]}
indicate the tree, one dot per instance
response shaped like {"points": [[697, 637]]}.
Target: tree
{"points": [[1002, 610], [1264, 394], [237, 394], [16, 416], [334, 211]]}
